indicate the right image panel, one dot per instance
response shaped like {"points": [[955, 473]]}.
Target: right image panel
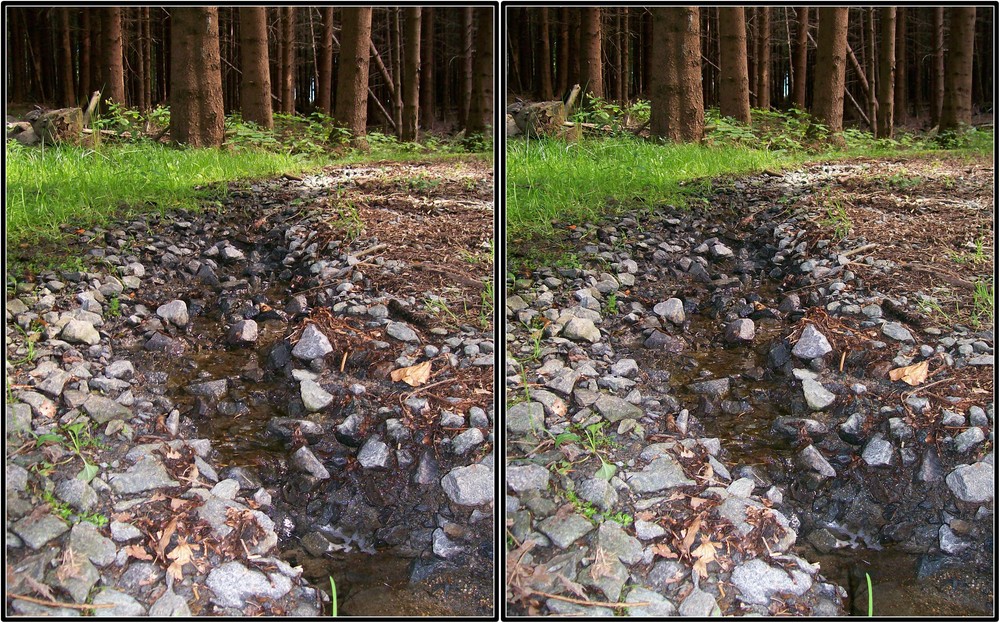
{"points": [[749, 311]]}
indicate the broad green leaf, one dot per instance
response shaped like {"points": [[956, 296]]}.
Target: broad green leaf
{"points": [[606, 472], [88, 472]]}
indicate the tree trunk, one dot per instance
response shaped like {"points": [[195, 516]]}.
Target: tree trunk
{"points": [[801, 54], [396, 29], [676, 105], [899, 107], [612, 41], [937, 66], [734, 90], [255, 90], [764, 58], [66, 48], [544, 56], [871, 67], [831, 64], [887, 73], [562, 54], [626, 45], [427, 68], [590, 57], [352, 73], [481, 108], [956, 108], [465, 84], [140, 68], [84, 90], [288, 60], [324, 86], [196, 116], [411, 73], [113, 74]]}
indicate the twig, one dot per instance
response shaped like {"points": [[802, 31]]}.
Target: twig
{"points": [[57, 604], [906, 395], [587, 602], [369, 250], [861, 249]]}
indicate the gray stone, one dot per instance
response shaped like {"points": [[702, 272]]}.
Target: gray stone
{"points": [[15, 477], [625, 367], [949, 541], [470, 485], [977, 416], [527, 477], [316, 544], [102, 410], [930, 467], [121, 369], [18, 419], [227, 489], [817, 396], [77, 494], [662, 473], [175, 312], [658, 340], [243, 332], [466, 441], [969, 439], [37, 532], [741, 330], [443, 547], [615, 409], [79, 584], [790, 303], [646, 530], [757, 581], [564, 531], [374, 454], [713, 388], [564, 381], [609, 580], [124, 605], [313, 396], [671, 309], [170, 604], [121, 531], [80, 332], [40, 405], [970, 483], [312, 344], [213, 390], [878, 452], [53, 385], [700, 604], [811, 344], [554, 405], [232, 584], [897, 332], [613, 539], [145, 475], [306, 461], [402, 332], [599, 492], [812, 459], [580, 329], [526, 417]]}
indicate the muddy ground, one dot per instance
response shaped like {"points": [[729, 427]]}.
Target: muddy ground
{"points": [[229, 376], [701, 407]]}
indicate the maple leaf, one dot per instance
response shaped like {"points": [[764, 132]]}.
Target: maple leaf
{"points": [[663, 551], [689, 534], [180, 555], [164, 539], [138, 551], [414, 376], [704, 554], [911, 375]]}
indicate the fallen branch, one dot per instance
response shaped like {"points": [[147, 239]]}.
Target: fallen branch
{"points": [[587, 602], [57, 604], [861, 249]]}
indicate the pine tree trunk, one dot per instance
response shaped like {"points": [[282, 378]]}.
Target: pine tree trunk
{"points": [[114, 75], [590, 57], [481, 108], [352, 74], [677, 111], [573, 66], [887, 73], [255, 90], [465, 83], [411, 73], [899, 107], [427, 68], [562, 54], [937, 66], [66, 48], [956, 108], [734, 88], [83, 93], [544, 56], [612, 40], [626, 45], [324, 87], [147, 59], [872, 68], [288, 60], [140, 68], [801, 54], [831, 65], [397, 67], [764, 58], [196, 116]]}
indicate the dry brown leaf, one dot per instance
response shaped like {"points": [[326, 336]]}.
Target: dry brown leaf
{"points": [[911, 375], [138, 551], [180, 555], [69, 568], [696, 502], [704, 554], [414, 376], [663, 551], [689, 534], [42, 589], [165, 536], [601, 568], [645, 515], [571, 586]]}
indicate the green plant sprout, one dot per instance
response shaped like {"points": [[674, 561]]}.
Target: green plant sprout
{"points": [[868, 578], [333, 597]]}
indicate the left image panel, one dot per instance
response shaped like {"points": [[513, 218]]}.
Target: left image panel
{"points": [[250, 311]]}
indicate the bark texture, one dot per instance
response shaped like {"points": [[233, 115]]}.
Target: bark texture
{"points": [[590, 56], [887, 73], [113, 74], [734, 90], [352, 75], [677, 108], [324, 83], [196, 116], [956, 109], [411, 73], [255, 89], [481, 108], [801, 54], [831, 65]]}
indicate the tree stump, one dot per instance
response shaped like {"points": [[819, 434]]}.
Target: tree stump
{"points": [[63, 125], [546, 118]]}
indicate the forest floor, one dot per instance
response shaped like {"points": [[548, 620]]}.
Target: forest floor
{"points": [[225, 410], [795, 368]]}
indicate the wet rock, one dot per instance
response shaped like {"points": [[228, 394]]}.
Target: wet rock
{"points": [[80, 332], [615, 409], [103, 410], [312, 344], [811, 344], [526, 417], [123, 605], [175, 312], [527, 477], [121, 369], [169, 604], [599, 492], [306, 461], [348, 432], [662, 473], [374, 454], [972, 483], [313, 396], [37, 532], [714, 388], [427, 471], [232, 584], [757, 581], [466, 441], [77, 494], [671, 309], [402, 332], [878, 452], [242, 333], [791, 426], [443, 547], [658, 340], [949, 541], [817, 396], [159, 343], [613, 540], [470, 485], [149, 473], [741, 330], [78, 584], [969, 439], [658, 605], [930, 467], [580, 329], [699, 604], [213, 390], [898, 332], [852, 429], [564, 531], [812, 459]]}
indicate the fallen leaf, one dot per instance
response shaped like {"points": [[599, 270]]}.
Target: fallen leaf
{"points": [[704, 554], [911, 375], [39, 588], [165, 536], [571, 586], [69, 568], [645, 515], [176, 503], [689, 534], [138, 551], [180, 555], [663, 551], [414, 376], [696, 502]]}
